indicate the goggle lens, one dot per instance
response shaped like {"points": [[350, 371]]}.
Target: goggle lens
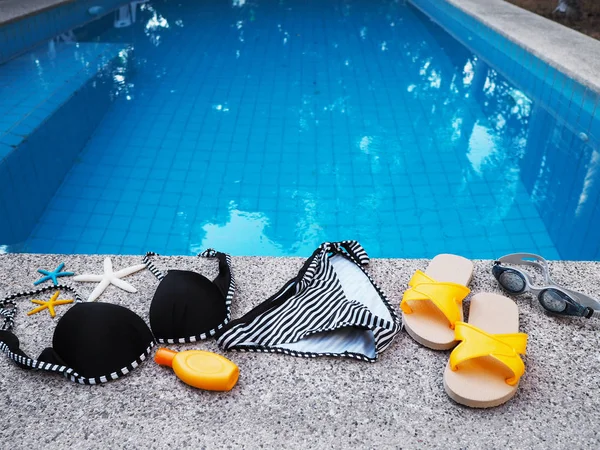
{"points": [[553, 300], [512, 281]]}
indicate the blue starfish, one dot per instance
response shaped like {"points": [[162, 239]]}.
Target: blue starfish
{"points": [[53, 275]]}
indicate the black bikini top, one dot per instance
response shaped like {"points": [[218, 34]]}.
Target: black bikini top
{"points": [[95, 342]]}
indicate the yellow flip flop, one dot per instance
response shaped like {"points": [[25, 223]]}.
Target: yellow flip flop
{"points": [[485, 368], [433, 304]]}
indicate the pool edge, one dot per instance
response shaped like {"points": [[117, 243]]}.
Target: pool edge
{"points": [[16, 10], [548, 40], [24, 31]]}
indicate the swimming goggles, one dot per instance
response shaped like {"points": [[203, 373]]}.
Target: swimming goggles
{"points": [[553, 298]]}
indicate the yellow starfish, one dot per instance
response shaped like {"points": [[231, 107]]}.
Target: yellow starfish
{"points": [[50, 304]]}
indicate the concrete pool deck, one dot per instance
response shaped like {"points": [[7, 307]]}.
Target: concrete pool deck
{"points": [[283, 401]]}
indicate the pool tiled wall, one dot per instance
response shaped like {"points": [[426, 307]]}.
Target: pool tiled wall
{"points": [[559, 166], [34, 85], [43, 126], [21, 35]]}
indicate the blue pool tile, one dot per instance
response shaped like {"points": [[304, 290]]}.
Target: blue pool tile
{"points": [[86, 248], [109, 249], [157, 241], [10, 139], [132, 250], [125, 210], [39, 245], [135, 238], [99, 220], [92, 235], [161, 226], [63, 246], [114, 237], [145, 211]]}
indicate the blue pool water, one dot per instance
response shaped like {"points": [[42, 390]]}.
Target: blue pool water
{"points": [[267, 127]]}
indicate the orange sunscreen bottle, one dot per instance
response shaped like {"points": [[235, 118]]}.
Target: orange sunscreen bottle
{"points": [[203, 370]]}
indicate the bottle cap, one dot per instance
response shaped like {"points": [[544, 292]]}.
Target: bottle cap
{"points": [[164, 357]]}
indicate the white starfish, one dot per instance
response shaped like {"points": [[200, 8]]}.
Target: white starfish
{"points": [[110, 277]]}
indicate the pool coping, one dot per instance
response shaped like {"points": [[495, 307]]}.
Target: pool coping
{"points": [[323, 402], [544, 38], [13, 10]]}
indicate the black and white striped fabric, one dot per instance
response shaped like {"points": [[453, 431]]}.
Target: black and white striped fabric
{"points": [[332, 308], [9, 344], [28, 363], [209, 253]]}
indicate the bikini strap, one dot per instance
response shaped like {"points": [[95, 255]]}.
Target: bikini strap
{"points": [[8, 306], [224, 280], [151, 267], [353, 248]]}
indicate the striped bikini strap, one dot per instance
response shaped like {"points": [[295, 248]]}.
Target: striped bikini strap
{"points": [[353, 248], [224, 280], [8, 306], [151, 267], [158, 273], [208, 253]]}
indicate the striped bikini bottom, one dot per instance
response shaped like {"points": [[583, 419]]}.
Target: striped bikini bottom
{"points": [[331, 308]]}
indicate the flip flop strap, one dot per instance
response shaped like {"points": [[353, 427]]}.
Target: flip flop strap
{"points": [[420, 277], [447, 297], [506, 348]]}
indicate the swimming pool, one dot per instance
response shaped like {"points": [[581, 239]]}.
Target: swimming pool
{"points": [[267, 127]]}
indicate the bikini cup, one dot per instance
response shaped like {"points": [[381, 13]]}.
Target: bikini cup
{"points": [[97, 342], [92, 342], [177, 315]]}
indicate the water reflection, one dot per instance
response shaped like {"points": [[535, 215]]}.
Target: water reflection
{"points": [[155, 24], [561, 173], [242, 233], [246, 233]]}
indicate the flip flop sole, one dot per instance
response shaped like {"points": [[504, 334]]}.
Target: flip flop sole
{"points": [[427, 324], [481, 382]]}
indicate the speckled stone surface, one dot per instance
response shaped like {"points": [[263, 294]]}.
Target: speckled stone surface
{"points": [[283, 401]]}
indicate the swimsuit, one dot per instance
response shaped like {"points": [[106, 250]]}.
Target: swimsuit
{"points": [[332, 308], [97, 342]]}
